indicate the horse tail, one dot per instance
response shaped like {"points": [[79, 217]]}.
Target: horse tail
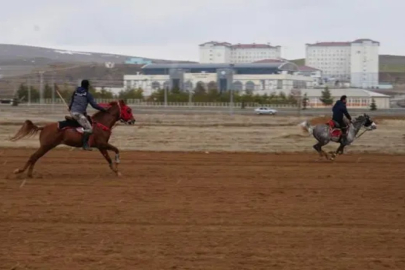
{"points": [[28, 129], [306, 127]]}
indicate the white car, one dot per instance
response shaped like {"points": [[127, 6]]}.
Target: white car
{"points": [[264, 110]]}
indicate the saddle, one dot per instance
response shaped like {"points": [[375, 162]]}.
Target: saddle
{"points": [[335, 130], [69, 122]]}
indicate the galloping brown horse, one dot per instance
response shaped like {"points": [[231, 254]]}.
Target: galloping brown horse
{"points": [[69, 132]]}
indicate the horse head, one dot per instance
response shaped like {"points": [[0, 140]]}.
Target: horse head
{"points": [[121, 111], [366, 121]]}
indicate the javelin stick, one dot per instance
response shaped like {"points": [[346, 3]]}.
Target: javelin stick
{"points": [[62, 99]]}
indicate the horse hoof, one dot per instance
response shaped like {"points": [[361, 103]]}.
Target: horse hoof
{"points": [[17, 171], [119, 174]]}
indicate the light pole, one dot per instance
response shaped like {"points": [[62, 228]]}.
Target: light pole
{"points": [[41, 87], [29, 90], [53, 91], [231, 71], [166, 95]]}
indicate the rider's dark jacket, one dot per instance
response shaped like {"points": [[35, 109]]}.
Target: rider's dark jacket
{"points": [[80, 99], [340, 110]]}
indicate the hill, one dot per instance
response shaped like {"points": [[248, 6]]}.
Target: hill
{"points": [[388, 63], [18, 63], [21, 54], [16, 60], [98, 74]]}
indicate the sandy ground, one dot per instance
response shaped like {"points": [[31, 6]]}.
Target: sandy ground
{"points": [[205, 210], [202, 211], [220, 132]]}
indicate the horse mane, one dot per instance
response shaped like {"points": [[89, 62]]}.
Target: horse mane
{"points": [[105, 105], [359, 118]]}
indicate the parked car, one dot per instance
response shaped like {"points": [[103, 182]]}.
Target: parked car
{"points": [[264, 110]]}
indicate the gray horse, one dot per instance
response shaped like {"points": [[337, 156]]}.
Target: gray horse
{"points": [[323, 133]]}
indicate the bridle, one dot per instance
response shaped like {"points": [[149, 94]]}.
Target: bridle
{"points": [[119, 109], [119, 118], [364, 131]]}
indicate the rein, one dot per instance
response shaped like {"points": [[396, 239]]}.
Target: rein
{"points": [[105, 128], [358, 136]]}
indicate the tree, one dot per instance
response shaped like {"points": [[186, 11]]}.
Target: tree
{"points": [[305, 101], [22, 92], [292, 100], [326, 98], [176, 95], [131, 94], [103, 94], [200, 94], [47, 91], [157, 96], [373, 106]]}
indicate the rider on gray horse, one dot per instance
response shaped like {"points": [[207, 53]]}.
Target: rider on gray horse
{"points": [[78, 107], [340, 110]]}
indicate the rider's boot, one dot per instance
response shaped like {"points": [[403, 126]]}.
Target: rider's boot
{"points": [[343, 136], [86, 146]]}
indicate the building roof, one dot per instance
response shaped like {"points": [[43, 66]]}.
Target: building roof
{"points": [[349, 92], [252, 46], [240, 65], [330, 44], [216, 43], [365, 39], [307, 68], [239, 46], [340, 43], [270, 61]]}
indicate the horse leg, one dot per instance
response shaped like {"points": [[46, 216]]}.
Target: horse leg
{"points": [[107, 157], [318, 148], [32, 160], [110, 147], [340, 149]]}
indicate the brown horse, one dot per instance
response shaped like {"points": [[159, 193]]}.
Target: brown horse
{"points": [[68, 132]]}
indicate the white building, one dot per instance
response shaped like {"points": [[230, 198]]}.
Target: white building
{"points": [[114, 90], [314, 73], [356, 98], [355, 62], [262, 79], [223, 52], [364, 66]]}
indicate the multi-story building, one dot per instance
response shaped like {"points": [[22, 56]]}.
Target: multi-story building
{"points": [[364, 66], [223, 52], [355, 62], [314, 73], [260, 78]]}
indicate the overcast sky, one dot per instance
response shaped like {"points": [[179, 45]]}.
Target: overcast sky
{"points": [[173, 29]]}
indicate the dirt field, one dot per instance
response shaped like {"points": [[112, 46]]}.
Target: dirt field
{"points": [[203, 211], [222, 133]]}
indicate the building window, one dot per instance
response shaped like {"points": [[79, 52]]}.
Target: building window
{"points": [[279, 84], [155, 85], [237, 86], [250, 86]]}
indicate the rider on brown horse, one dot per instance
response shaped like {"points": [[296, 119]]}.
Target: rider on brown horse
{"points": [[340, 110], [78, 110]]}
